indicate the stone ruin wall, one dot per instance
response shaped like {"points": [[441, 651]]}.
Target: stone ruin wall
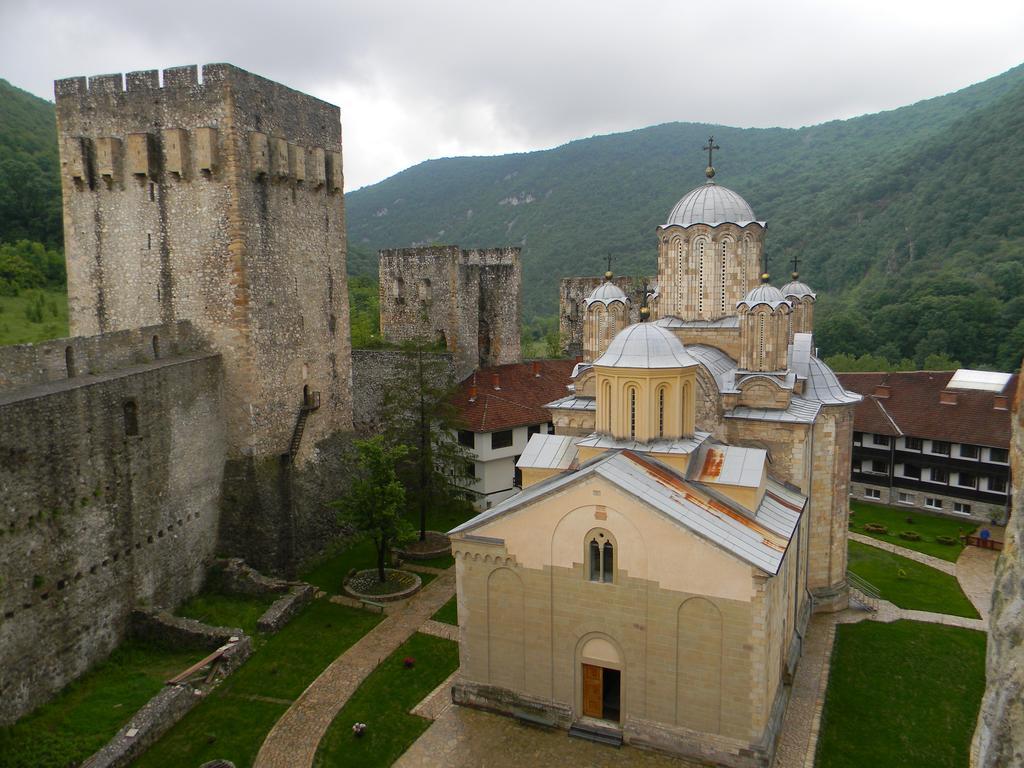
{"points": [[218, 201], [95, 520], [469, 300], [372, 371], [572, 305]]}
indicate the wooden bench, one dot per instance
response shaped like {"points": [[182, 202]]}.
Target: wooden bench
{"points": [[372, 604], [213, 657]]}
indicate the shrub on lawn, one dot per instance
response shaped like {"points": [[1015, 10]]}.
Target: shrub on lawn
{"points": [[875, 528], [947, 540], [910, 520], [910, 535]]}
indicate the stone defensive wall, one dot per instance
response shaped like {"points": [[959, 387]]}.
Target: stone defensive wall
{"points": [[572, 306], [372, 371], [111, 462]]}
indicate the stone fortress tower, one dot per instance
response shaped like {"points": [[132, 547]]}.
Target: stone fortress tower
{"points": [[217, 201], [469, 301]]}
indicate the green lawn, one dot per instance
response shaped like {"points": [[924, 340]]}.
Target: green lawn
{"points": [[230, 724], [902, 695], [383, 702], [329, 571], [928, 526], [921, 588], [221, 610], [448, 613], [16, 328], [84, 716]]}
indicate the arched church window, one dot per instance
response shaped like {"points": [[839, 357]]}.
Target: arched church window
{"points": [[760, 342], [600, 556], [131, 418], [661, 412], [700, 276], [680, 269], [721, 279], [606, 404], [632, 413]]}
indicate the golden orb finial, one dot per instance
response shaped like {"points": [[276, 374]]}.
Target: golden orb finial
{"points": [[608, 275], [709, 172], [645, 313], [765, 277]]}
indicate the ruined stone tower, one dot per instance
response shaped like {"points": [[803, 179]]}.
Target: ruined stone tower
{"points": [[469, 300], [217, 201]]}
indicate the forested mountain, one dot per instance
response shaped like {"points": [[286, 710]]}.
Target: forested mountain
{"points": [[29, 181], [908, 222]]}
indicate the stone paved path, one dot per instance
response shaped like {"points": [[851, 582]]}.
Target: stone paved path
{"points": [[935, 562], [440, 629], [293, 740], [975, 570]]}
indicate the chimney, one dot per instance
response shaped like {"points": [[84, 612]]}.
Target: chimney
{"points": [[536, 369], [496, 381], [882, 391], [947, 398], [1001, 403], [472, 393]]}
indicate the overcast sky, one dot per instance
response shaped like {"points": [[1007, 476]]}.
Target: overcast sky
{"points": [[436, 78]]}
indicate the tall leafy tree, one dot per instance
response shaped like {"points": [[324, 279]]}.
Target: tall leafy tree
{"points": [[375, 503], [419, 414]]}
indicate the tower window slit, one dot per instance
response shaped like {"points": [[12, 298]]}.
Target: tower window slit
{"points": [[661, 413], [722, 279], [632, 414]]}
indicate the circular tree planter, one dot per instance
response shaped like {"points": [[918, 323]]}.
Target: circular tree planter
{"points": [[398, 585], [435, 545]]}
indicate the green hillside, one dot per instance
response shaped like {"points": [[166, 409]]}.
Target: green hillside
{"points": [[29, 179], [907, 221]]}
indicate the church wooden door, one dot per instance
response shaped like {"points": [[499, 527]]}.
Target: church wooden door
{"points": [[593, 695]]}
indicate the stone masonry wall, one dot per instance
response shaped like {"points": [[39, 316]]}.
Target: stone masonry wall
{"points": [[572, 305], [96, 519], [372, 371], [999, 738], [468, 300], [218, 201]]}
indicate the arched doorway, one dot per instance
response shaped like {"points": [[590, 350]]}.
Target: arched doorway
{"points": [[601, 671]]}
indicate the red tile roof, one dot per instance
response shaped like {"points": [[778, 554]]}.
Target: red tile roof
{"points": [[913, 408], [521, 397]]}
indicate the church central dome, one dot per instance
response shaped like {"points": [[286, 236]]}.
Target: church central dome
{"points": [[711, 204], [645, 345]]}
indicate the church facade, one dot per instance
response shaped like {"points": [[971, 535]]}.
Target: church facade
{"points": [[652, 581]]}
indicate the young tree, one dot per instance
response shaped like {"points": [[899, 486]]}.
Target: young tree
{"points": [[375, 502], [419, 414]]}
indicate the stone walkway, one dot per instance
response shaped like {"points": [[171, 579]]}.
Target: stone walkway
{"points": [[975, 570], [293, 740], [911, 554]]}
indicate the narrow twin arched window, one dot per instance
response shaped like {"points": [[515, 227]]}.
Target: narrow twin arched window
{"points": [[632, 413], [600, 558], [661, 412]]}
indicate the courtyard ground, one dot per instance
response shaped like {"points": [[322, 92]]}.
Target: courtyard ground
{"points": [[90, 711], [902, 695], [928, 527], [909, 584], [232, 722]]}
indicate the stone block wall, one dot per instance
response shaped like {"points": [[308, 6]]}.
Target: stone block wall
{"points": [[109, 495], [218, 201], [572, 306], [692, 680], [470, 301], [372, 371]]}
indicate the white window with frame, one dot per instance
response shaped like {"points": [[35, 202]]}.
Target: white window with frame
{"points": [[968, 451], [905, 498], [961, 509], [880, 440], [872, 493], [933, 503], [998, 455], [997, 484], [939, 447], [939, 475], [967, 480]]}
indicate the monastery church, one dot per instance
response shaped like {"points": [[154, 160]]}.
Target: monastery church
{"points": [[653, 580]]}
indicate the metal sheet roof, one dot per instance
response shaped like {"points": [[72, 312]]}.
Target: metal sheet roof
{"points": [[760, 540], [729, 321], [987, 381], [800, 411], [606, 293], [823, 386], [574, 403], [728, 465], [721, 367], [645, 345], [711, 204], [683, 446], [548, 452]]}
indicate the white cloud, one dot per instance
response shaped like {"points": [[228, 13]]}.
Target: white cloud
{"points": [[449, 77]]}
